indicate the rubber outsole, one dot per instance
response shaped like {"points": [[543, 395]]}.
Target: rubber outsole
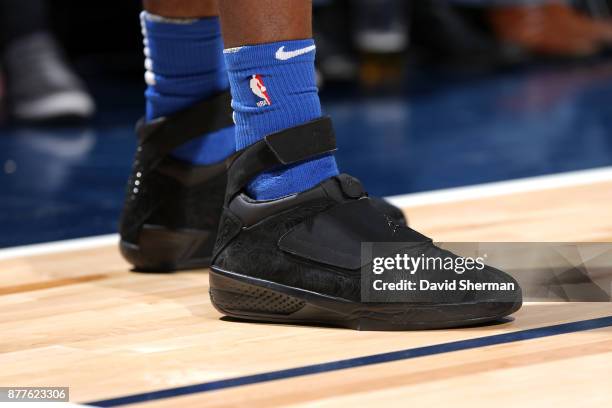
{"points": [[251, 299], [164, 250]]}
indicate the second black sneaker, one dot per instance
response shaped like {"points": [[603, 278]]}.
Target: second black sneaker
{"points": [[172, 208], [298, 259]]}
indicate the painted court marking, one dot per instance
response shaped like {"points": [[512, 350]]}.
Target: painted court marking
{"points": [[500, 188], [363, 361], [58, 246]]}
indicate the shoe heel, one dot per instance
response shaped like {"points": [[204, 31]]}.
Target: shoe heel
{"points": [[163, 250], [242, 300]]}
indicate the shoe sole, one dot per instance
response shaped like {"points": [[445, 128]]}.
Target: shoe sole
{"points": [[251, 299], [161, 249]]}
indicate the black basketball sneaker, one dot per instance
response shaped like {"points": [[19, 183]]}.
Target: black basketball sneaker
{"points": [[172, 208], [298, 259]]}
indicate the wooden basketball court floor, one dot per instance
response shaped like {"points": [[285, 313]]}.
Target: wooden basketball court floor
{"points": [[72, 314]]}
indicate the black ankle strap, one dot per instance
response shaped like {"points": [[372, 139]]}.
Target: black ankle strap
{"points": [[289, 146], [166, 133]]}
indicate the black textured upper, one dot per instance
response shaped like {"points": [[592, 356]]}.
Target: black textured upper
{"points": [[315, 244], [312, 240]]}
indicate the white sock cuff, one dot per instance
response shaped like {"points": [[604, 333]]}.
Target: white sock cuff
{"points": [[170, 20]]}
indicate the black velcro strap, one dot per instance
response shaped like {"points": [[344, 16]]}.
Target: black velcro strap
{"points": [[289, 146], [166, 133], [302, 142], [334, 236]]}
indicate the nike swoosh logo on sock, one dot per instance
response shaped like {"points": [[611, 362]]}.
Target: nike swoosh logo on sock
{"points": [[283, 55]]}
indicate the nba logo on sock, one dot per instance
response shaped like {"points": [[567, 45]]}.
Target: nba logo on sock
{"points": [[260, 90]]}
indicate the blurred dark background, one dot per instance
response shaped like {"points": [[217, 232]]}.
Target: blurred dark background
{"points": [[425, 94], [373, 42]]}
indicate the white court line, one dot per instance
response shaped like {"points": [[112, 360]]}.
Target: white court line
{"points": [[575, 178], [524, 185], [42, 405], [59, 246]]}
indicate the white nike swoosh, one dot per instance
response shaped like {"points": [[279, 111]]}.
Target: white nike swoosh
{"points": [[283, 55]]}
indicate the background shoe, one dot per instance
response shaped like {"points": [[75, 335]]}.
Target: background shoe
{"points": [[172, 208], [337, 60], [451, 33], [599, 30], [298, 259], [40, 85], [544, 30]]}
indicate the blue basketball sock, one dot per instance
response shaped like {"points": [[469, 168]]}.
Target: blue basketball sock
{"points": [[274, 88], [185, 65]]}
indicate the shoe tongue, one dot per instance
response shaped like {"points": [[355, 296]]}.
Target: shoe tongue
{"points": [[335, 236]]}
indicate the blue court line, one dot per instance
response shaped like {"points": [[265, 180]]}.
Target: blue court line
{"points": [[360, 361]]}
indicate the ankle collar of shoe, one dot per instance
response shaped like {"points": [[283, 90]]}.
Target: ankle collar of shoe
{"points": [[289, 146], [338, 189]]}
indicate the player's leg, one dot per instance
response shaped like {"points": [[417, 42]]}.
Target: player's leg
{"points": [[177, 186], [184, 62], [175, 193], [284, 28], [289, 242], [273, 83]]}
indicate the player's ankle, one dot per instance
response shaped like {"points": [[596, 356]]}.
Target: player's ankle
{"points": [[185, 65]]}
